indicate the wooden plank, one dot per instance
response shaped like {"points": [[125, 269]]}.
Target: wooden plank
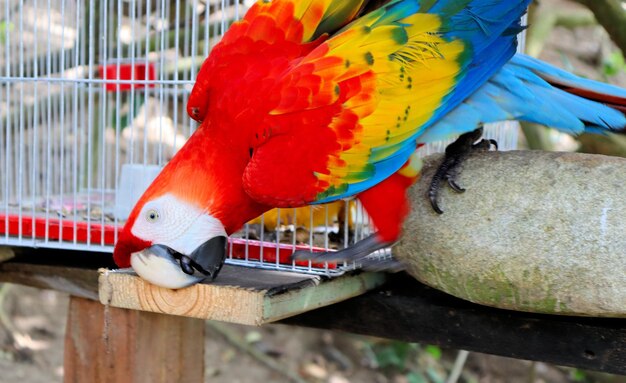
{"points": [[240, 295], [71, 280], [109, 345], [409, 311]]}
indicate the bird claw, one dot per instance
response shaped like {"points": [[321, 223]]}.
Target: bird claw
{"points": [[433, 200], [454, 186], [456, 153], [485, 144]]}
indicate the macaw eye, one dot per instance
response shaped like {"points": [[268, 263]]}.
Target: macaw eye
{"points": [[152, 216]]}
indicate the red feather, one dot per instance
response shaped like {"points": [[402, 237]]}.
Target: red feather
{"points": [[126, 245], [618, 103]]}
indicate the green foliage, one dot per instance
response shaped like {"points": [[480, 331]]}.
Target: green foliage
{"points": [[614, 64], [394, 354], [434, 351], [417, 363], [578, 376]]}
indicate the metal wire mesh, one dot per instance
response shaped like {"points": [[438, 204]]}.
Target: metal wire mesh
{"points": [[92, 101]]}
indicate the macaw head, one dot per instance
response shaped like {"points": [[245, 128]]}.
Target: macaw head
{"points": [[171, 241], [176, 234]]}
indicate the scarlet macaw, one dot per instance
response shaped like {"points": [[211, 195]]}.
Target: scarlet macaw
{"points": [[311, 101]]}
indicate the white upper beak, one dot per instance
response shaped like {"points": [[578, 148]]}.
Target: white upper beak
{"points": [[162, 269]]}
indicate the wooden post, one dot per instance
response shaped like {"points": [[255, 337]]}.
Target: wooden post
{"points": [[108, 345]]}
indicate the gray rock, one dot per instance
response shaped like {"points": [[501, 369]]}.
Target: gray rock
{"points": [[535, 231]]}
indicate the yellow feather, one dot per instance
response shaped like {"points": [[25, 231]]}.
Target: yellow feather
{"points": [[301, 217], [405, 71], [310, 14], [420, 74], [413, 166]]}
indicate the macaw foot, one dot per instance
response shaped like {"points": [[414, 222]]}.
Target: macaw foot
{"points": [[359, 252], [456, 153]]}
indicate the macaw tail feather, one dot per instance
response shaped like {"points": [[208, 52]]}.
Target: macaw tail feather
{"points": [[531, 90], [589, 90], [611, 101]]}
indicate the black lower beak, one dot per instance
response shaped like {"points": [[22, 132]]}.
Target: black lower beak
{"points": [[207, 259], [204, 262]]}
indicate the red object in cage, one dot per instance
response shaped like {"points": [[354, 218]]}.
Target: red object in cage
{"points": [[56, 229], [125, 76], [81, 232]]}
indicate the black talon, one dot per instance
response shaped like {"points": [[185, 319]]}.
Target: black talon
{"points": [[432, 195], [454, 186], [435, 184], [485, 144], [456, 153], [494, 143]]}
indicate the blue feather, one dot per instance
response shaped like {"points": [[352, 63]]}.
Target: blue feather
{"points": [[485, 26], [559, 76], [397, 10], [519, 91]]}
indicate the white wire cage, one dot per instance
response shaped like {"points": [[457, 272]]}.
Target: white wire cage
{"points": [[92, 105]]}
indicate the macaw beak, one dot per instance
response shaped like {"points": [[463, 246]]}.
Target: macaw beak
{"points": [[166, 267]]}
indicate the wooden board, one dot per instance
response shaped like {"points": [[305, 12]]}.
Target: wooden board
{"points": [[239, 295], [74, 281], [407, 310], [110, 345]]}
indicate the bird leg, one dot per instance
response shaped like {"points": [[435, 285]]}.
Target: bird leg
{"points": [[456, 153]]}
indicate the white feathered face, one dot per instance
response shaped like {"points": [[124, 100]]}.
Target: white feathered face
{"points": [[176, 224], [187, 243]]}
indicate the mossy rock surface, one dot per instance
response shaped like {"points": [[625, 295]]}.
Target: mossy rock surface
{"points": [[535, 231]]}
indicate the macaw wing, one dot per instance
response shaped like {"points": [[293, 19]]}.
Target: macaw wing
{"points": [[301, 21], [350, 111]]}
